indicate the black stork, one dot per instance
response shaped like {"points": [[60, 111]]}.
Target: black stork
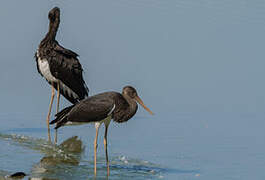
{"points": [[101, 108], [60, 67]]}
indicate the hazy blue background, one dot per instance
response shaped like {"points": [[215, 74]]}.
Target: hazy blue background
{"points": [[198, 64]]}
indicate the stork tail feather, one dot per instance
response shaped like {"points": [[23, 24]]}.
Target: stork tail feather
{"points": [[61, 117]]}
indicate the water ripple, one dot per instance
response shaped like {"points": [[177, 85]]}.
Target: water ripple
{"points": [[64, 162]]}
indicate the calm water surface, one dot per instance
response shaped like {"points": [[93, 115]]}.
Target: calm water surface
{"points": [[193, 146]]}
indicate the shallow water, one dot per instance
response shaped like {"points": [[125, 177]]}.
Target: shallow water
{"points": [[38, 158], [58, 162], [205, 146]]}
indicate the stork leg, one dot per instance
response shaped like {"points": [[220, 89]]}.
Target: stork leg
{"points": [[106, 146], [57, 109], [49, 113], [97, 125]]}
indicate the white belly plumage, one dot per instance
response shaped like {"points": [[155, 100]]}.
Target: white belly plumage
{"points": [[45, 71]]}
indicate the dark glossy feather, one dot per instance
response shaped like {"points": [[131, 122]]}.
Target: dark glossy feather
{"points": [[65, 52], [65, 66], [97, 108]]}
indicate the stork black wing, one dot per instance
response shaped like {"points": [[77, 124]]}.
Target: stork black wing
{"points": [[65, 52], [94, 108], [65, 66]]}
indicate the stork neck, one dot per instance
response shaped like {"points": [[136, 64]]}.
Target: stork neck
{"points": [[132, 106], [53, 28]]}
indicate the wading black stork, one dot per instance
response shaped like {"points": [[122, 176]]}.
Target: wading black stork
{"points": [[60, 67], [99, 109]]}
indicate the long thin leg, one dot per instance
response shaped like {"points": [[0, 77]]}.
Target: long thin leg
{"points": [[49, 113], [97, 125], [57, 109], [106, 146]]}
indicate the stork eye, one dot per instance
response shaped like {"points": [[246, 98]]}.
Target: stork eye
{"points": [[51, 16]]}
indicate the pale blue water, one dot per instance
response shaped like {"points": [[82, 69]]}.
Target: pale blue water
{"points": [[198, 65], [186, 146]]}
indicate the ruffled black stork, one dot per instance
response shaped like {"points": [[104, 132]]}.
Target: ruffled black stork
{"points": [[101, 108], [60, 67]]}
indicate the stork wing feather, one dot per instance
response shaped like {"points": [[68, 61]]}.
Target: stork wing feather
{"points": [[65, 66], [94, 108], [65, 52]]}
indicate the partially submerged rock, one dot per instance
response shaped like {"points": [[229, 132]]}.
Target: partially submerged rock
{"points": [[72, 144]]}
